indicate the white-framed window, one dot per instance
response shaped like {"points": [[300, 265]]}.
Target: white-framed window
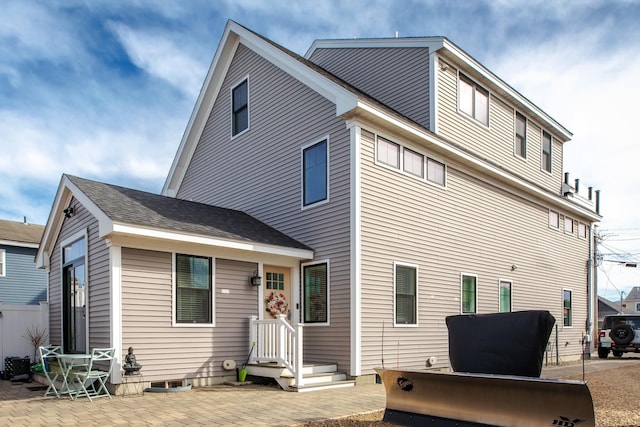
{"points": [[3, 263], [388, 153], [473, 100], [546, 151], [554, 219], [504, 289], [435, 172], [315, 293], [240, 107], [194, 303], [567, 309], [315, 172], [405, 280], [582, 230], [568, 225], [521, 136], [413, 162], [468, 293]]}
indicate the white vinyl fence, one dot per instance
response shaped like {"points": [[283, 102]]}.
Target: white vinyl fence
{"points": [[15, 321]]}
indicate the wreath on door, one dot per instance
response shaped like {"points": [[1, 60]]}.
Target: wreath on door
{"points": [[277, 304]]}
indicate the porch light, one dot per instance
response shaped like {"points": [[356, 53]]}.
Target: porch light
{"points": [[255, 280]]}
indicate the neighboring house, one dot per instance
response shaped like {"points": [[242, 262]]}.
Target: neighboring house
{"points": [[21, 282], [23, 289], [606, 308], [410, 183], [632, 301]]}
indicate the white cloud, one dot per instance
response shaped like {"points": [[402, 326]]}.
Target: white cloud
{"points": [[161, 57]]}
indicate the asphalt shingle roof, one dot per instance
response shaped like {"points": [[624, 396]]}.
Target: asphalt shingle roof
{"points": [[20, 232], [140, 208]]}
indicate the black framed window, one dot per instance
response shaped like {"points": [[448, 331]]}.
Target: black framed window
{"points": [[406, 294], [240, 107], [193, 289], [316, 293], [473, 100], [521, 136], [315, 173], [546, 151], [567, 314]]}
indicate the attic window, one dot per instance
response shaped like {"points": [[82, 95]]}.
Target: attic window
{"points": [[473, 100], [240, 107]]}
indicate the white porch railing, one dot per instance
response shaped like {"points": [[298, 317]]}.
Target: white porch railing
{"points": [[279, 342]]}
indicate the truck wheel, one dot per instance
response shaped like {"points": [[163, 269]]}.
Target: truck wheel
{"points": [[617, 353], [603, 353], [621, 334]]}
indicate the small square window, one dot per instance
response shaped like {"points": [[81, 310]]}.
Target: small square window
{"points": [[582, 230], [413, 162], [568, 225], [435, 172], [388, 153], [240, 107]]}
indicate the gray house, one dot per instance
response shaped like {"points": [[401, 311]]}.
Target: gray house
{"points": [[21, 283], [23, 289], [334, 209]]}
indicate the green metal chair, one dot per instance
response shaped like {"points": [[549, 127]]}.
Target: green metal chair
{"points": [[92, 381], [51, 367]]}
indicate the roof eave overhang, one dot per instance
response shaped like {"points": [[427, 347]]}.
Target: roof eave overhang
{"points": [[19, 244], [127, 230], [233, 35], [376, 115]]}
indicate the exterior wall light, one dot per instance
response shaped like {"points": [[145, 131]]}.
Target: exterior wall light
{"points": [[255, 280]]}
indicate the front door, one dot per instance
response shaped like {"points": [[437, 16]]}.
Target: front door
{"points": [[277, 291]]}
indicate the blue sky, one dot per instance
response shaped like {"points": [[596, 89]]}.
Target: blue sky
{"points": [[103, 89]]}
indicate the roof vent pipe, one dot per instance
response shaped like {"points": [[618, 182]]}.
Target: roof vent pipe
{"points": [[590, 193], [577, 185], [566, 178], [598, 202]]}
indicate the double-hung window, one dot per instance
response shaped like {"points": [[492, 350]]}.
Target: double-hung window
{"points": [[521, 136], [546, 151], [3, 263], [567, 310], [315, 173], [240, 107], [473, 100], [505, 296], [469, 293], [406, 297], [315, 293], [193, 289]]}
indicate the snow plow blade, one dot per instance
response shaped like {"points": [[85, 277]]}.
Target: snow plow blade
{"points": [[461, 399]]}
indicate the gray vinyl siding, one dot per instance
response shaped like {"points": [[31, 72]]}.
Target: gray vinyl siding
{"points": [[259, 172], [23, 283], [496, 142], [397, 77], [97, 266], [468, 227], [178, 352]]}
